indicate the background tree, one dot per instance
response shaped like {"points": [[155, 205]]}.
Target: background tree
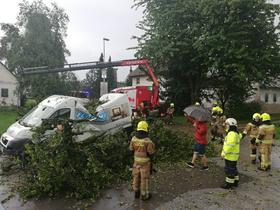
{"points": [[37, 39], [93, 80], [111, 77], [224, 46], [170, 30], [241, 46], [128, 80]]}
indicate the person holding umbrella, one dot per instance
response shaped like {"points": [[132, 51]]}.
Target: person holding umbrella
{"points": [[199, 116]]}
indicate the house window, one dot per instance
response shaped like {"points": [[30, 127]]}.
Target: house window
{"points": [[138, 80], [274, 98], [266, 97], [4, 93]]}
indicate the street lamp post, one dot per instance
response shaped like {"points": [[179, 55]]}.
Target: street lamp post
{"points": [[104, 40], [104, 84]]}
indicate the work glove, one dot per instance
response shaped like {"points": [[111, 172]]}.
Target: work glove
{"points": [[258, 141], [253, 141], [223, 155]]}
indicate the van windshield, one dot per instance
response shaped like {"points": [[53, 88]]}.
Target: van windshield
{"points": [[34, 116]]}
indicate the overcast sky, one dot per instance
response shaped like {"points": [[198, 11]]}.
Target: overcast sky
{"points": [[90, 21]]}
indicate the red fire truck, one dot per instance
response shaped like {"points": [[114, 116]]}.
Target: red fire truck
{"points": [[137, 95]]}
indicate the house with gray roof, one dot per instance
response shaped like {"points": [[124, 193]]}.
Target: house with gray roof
{"points": [[8, 88], [140, 78]]}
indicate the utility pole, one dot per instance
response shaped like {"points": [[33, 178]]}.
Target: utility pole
{"points": [[104, 83]]}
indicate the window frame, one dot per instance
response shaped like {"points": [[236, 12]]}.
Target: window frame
{"points": [[266, 97], [274, 98], [4, 95], [137, 80], [58, 116]]}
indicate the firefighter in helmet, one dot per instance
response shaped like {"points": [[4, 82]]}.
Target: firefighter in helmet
{"points": [[170, 113], [230, 153], [217, 124], [216, 110], [143, 149], [265, 138], [251, 130]]}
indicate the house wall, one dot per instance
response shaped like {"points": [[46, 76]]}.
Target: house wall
{"points": [[270, 100], [8, 81], [144, 81]]}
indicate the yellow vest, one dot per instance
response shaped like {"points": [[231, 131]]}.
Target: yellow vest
{"points": [[231, 146]]}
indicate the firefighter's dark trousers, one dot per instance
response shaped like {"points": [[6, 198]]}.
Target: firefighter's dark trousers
{"points": [[231, 172]]}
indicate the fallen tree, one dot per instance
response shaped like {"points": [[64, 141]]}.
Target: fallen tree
{"points": [[58, 166]]}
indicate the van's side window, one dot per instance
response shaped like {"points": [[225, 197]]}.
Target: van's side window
{"points": [[62, 114]]}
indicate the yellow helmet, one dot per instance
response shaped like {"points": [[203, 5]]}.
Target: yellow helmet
{"points": [[256, 116], [142, 126], [265, 117], [172, 104]]}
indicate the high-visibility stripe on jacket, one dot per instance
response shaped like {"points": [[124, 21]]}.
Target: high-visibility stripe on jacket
{"points": [[142, 149], [267, 132], [231, 146]]}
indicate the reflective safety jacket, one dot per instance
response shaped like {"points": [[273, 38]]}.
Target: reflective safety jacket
{"points": [[267, 133], [142, 147], [252, 130], [231, 146]]}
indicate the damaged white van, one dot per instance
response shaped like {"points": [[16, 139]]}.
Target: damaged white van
{"points": [[113, 114]]}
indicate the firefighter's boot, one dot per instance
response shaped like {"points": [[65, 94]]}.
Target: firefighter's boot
{"points": [[227, 186], [236, 181], [146, 197]]}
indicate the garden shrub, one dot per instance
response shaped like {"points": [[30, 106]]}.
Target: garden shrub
{"points": [[243, 111]]}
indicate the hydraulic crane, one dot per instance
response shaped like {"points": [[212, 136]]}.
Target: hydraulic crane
{"points": [[100, 65]]}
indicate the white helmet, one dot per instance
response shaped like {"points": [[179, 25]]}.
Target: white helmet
{"points": [[231, 122]]}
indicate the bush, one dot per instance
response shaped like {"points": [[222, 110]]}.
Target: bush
{"points": [[28, 105], [244, 111]]}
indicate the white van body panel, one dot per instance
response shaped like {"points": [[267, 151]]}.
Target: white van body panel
{"points": [[112, 115]]}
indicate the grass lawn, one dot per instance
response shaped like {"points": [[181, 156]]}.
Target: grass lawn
{"points": [[6, 119], [277, 133]]}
